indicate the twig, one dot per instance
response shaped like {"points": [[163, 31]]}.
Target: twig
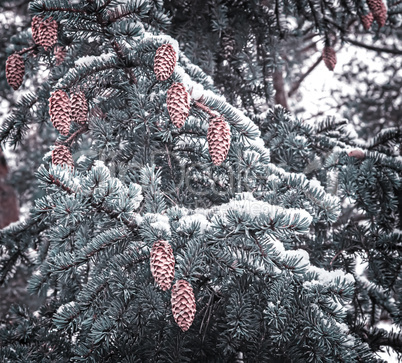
{"points": [[25, 50], [297, 84], [117, 48], [73, 136], [372, 47], [204, 108]]}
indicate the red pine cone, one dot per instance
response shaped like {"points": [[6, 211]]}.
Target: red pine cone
{"points": [[183, 304], [377, 7], [164, 62], [357, 153], [367, 20], [162, 264], [329, 57], [178, 104], [79, 108], [59, 54], [15, 70], [218, 137], [44, 32], [60, 111], [61, 155]]}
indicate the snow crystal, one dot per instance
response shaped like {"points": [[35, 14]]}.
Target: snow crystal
{"points": [[65, 306], [327, 277], [161, 222], [256, 208], [81, 159], [278, 245], [300, 254], [86, 60], [138, 219], [273, 177], [195, 218], [99, 163], [316, 184], [47, 155], [197, 91], [350, 130]]}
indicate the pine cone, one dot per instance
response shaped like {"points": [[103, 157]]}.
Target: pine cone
{"points": [[79, 108], [357, 153], [183, 304], [59, 54], [15, 70], [178, 104], [228, 44], [162, 264], [329, 57], [367, 20], [218, 137], [377, 7], [44, 32], [60, 111], [164, 62], [61, 155]]}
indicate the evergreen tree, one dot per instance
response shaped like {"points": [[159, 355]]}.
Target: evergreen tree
{"points": [[179, 218]]}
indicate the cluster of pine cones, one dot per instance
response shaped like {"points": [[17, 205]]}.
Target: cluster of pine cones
{"points": [[44, 33], [378, 12], [64, 110], [178, 105], [182, 296]]}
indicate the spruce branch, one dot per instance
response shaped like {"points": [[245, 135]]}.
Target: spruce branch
{"points": [[25, 50], [297, 84], [117, 48], [70, 140], [205, 108], [372, 47]]}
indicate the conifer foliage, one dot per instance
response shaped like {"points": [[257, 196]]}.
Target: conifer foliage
{"points": [[173, 225]]}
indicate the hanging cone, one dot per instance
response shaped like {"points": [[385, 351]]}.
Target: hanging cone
{"points": [[228, 44], [329, 57], [60, 111], [162, 264], [183, 304], [377, 7], [164, 62], [15, 70], [59, 54], [178, 104], [79, 108], [61, 155], [218, 137], [367, 20], [44, 32]]}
